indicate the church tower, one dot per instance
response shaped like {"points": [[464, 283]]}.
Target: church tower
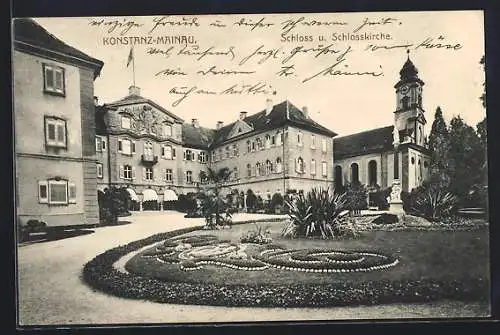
{"points": [[409, 119]]}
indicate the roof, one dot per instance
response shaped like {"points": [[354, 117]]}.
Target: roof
{"points": [[132, 99], [275, 119], [408, 73], [196, 137], [370, 141], [29, 35]]}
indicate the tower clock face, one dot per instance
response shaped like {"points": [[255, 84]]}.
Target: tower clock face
{"points": [[404, 89]]}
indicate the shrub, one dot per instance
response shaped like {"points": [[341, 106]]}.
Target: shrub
{"points": [[380, 198], [356, 194], [315, 214], [113, 202], [430, 201], [386, 218], [251, 200]]}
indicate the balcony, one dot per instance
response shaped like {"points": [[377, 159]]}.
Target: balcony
{"points": [[149, 159]]}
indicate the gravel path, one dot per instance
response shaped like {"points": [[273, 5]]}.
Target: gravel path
{"points": [[51, 291]]}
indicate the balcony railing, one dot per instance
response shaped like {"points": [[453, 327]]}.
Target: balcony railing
{"points": [[149, 159]]}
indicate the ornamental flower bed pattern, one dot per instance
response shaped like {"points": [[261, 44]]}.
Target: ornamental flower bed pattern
{"points": [[101, 274]]}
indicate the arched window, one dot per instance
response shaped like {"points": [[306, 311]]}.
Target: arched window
{"points": [[372, 173], [249, 170], [338, 177], [300, 168], [279, 165], [268, 141], [354, 173], [269, 167], [257, 169]]}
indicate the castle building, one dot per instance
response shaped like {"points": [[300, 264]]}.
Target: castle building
{"points": [[54, 127], [157, 156], [391, 156]]}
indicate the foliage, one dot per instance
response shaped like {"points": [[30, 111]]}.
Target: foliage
{"points": [[215, 207], [430, 201], [186, 202], [439, 144], [379, 198], [251, 200], [113, 202], [356, 195], [259, 235], [315, 214], [386, 218]]}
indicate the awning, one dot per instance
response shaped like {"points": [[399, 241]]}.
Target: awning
{"points": [[169, 195], [133, 195], [149, 194]]}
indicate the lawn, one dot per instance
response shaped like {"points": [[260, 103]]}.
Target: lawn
{"points": [[437, 256]]}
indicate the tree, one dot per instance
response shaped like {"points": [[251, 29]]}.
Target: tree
{"points": [[467, 155], [215, 204], [483, 96], [439, 144]]}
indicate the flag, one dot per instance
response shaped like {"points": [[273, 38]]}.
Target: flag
{"points": [[130, 56]]}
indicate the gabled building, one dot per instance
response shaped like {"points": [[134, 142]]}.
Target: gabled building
{"points": [[54, 128], [158, 156], [393, 155]]}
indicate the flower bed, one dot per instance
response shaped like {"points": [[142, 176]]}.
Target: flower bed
{"points": [[101, 274]]}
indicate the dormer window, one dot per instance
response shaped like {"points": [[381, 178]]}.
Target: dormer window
{"points": [[125, 121]]}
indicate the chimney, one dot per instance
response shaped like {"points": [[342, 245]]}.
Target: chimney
{"points": [[269, 106], [134, 90], [243, 115], [96, 101], [195, 123], [305, 112], [219, 125]]}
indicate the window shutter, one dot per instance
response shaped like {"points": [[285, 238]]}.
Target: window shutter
{"points": [[72, 193], [103, 144], [97, 148], [173, 152], [164, 174], [155, 174], [143, 173], [133, 172], [163, 151], [133, 147], [43, 192], [121, 172], [184, 155], [119, 145]]}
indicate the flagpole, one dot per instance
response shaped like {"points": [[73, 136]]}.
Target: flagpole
{"points": [[133, 64]]}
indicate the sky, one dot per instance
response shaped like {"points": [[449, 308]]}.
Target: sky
{"points": [[343, 103]]}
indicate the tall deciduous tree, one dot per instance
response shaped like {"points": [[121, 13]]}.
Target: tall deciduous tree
{"points": [[439, 144]]}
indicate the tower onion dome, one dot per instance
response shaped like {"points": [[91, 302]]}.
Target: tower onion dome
{"points": [[409, 71]]}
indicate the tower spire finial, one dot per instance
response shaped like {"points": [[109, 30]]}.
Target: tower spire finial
{"points": [[408, 52]]}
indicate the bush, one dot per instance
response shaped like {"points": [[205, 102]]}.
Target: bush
{"points": [[113, 202], [356, 194], [430, 201], [251, 201], [386, 218], [379, 198], [315, 214], [259, 235]]}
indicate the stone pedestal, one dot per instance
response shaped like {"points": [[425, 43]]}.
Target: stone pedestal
{"points": [[396, 204], [161, 205], [140, 206]]}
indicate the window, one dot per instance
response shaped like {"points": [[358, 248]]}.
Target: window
{"points": [[125, 147], [98, 144], [53, 79], [300, 166], [168, 175], [235, 150], [173, 153], [279, 165], [189, 177], [372, 173], [148, 173], [313, 142], [167, 130], [148, 149], [55, 132], [313, 167], [257, 169], [125, 122], [268, 142], [324, 145], [202, 157], [253, 145], [167, 152], [43, 193], [235, 173], [126, 172], [249, 146], [299, 138], [273, 140], [188, 155], [354, 173], [99, 170], [281, 139], [324, 169], [259, 144], [338, 177], [249, 170], [58, 192], [269, 167]]}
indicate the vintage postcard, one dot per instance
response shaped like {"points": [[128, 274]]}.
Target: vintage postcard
{"points": [[260, 167]]}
